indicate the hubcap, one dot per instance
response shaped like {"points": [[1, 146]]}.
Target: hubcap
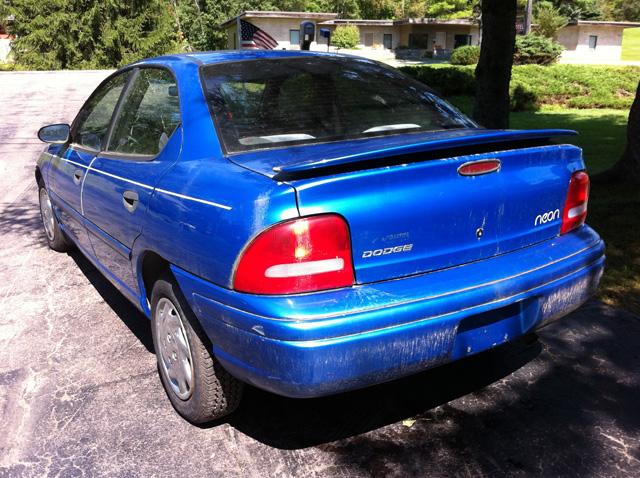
{"points": [[46, 211], [175, 353]]}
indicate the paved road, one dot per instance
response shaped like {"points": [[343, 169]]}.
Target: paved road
{"points": [[79, 395]]}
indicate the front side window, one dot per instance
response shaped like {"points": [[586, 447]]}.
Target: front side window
{"points": [[149, 114], [93, 121], [282, 102]]}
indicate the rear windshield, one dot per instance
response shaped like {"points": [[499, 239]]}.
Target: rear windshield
{"points": [[271, 103]]}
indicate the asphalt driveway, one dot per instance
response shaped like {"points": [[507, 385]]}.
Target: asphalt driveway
{"points": [[80, 396]]}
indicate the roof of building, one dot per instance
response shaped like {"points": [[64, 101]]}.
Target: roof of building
{"points": [[434, 21], [272, 14], [596, 23], [359, 22], [326, 18]]}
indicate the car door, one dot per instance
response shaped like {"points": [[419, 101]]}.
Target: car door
{"points": [[145, 139], [69, 168]]}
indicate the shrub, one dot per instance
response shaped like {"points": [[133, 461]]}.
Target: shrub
{"points": [[571, 86], [428, 54], [465, 55], [536, 49], [346, 36], [523, 99]]}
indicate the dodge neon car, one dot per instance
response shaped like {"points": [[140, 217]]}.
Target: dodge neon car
{"points": [[313, 223]]}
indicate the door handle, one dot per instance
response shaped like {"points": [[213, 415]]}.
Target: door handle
{"points": [[130, 200], [77, 176]]}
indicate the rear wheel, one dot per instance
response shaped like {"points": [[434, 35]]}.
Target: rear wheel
{"points": [[197, 385], [55, 237]]}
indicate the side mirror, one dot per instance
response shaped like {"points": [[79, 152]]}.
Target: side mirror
{"points": [[54, 133]]}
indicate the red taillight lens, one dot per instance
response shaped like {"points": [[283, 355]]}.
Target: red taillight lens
{"points": [[302, 255], [575, 207]]}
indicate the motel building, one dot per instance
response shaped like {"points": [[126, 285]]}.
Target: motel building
{"points": [[411, 38]]}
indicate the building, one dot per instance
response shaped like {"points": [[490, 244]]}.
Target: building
{"points": [[5, 43], [593, 41], [376, 36], [584, 41]]}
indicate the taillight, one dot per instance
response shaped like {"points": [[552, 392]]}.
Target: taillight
{"points": [[575, 207], [301, 255]]}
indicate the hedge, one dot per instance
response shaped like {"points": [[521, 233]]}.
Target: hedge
{"points": [[572, 86], [465, 55]]}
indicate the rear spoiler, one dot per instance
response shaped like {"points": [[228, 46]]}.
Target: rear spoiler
{"points": [[483, 137]]}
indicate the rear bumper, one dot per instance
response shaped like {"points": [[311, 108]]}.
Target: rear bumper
{"points": [[322, 343]]}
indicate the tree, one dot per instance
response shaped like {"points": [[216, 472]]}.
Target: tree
{"points": [[623, 10], [450, 9], [548, 20], [377, 9], [580, 9], [493, 73], [59, 34], [345, 36], [628, 166]]}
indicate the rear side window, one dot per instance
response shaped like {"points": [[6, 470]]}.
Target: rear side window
{"points": [[149, 114], [282, 102], [94, 119]]}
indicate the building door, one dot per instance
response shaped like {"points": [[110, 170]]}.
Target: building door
{"points": [[593, 42], [387, 41], [441, 41]]}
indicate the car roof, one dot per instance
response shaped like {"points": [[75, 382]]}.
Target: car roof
{"points": [[219, 56]]}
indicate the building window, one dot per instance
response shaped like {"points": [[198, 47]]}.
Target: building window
{"points": [[593, 42], [368, 39], [387, 41], [461, 40], [294, 37]]}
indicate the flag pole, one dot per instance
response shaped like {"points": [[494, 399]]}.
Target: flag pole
{"points": [[238, 33]]}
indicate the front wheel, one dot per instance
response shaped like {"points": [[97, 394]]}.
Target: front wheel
{"points": [[197, 385], [55, 237]]}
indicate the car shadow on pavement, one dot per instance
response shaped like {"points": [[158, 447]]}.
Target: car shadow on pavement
{"points": [[566, 405], [299, 423], [135, 320]]}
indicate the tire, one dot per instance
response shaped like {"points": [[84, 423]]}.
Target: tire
{"points": [[52, 231], [199, 388]]}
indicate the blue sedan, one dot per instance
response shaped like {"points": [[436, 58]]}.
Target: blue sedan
{"points": [[313, 223]]}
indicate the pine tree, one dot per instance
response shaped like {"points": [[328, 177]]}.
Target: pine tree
{"points": [[68, 34]]}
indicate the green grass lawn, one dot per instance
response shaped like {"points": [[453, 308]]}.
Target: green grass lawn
{"points": [[601, 132], [631, 44]]}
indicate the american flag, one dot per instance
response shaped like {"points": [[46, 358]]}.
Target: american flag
{"points": [[254, 37]]}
